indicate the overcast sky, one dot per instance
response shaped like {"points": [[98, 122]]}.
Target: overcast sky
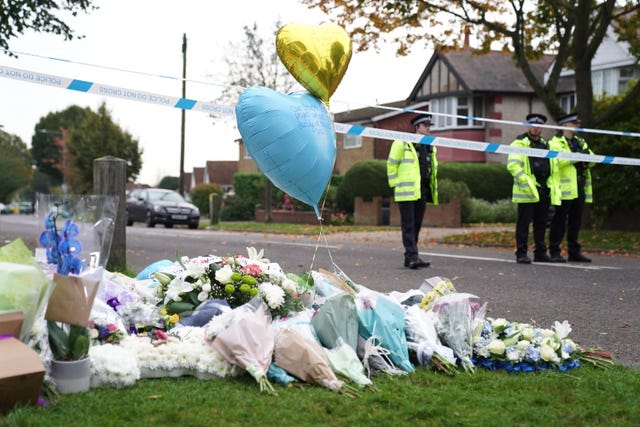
{"points": [[145, 36]]}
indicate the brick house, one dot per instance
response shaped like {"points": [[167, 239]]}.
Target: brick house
{"points": [[220, 172]]}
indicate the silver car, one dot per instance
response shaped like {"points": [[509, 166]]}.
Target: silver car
{"points": [[159, 206]]}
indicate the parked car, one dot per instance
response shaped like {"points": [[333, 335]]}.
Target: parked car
{"points": [[21, 207], [159, 206], [4, 209]]}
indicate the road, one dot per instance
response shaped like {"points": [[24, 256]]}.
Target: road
{"points": [[600, 299]]}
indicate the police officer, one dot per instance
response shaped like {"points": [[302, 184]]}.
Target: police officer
{"points": [[535, 188], [412, 173], [575, 184]]}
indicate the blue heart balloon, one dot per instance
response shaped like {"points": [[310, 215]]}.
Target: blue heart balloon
{"points": [[291, 138]]}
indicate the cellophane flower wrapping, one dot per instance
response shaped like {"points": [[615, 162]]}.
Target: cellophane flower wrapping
{"points": [[77, 231], [23, 285], [344, 361], [337, 319], [455, 321], [305, 359], [422, 336], [381, 317], [249, 343]]}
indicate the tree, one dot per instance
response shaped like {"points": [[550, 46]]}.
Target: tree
{"points": [[15, 165], [573, 30], [259, 65], [98, 136], [65, 143], [45, 16], [47, 148], [170, 183]]}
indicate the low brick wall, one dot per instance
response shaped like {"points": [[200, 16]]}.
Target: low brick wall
{"points": [[443, 215], [290, 217]]}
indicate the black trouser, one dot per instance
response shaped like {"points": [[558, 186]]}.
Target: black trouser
{"points": [[539, 214], [411, 216], [568, 216]]}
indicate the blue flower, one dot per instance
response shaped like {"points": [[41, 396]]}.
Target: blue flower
{"points": [[62, 249]]}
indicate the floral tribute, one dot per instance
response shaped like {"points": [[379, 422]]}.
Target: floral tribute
{"points": [[522, 347], [215, 317], [236, 280]]}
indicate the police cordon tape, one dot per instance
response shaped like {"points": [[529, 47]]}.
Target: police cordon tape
{"points": [[220, 109]]}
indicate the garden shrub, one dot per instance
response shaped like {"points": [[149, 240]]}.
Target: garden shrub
{"points": [[237, 209], [449, 190], [487, 181], [366, 179], [200, 196], [502, 211]]}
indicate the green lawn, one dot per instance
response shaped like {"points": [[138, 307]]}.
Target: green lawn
{"points": [[585, 396]]}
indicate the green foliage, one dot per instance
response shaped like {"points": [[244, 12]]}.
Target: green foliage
{"points": [[236, 208], [68, 342], [200, 196], [90, 136], [449, 190], [23, 16], [487, 181], [366, 179], [15, 165], [170, 183], [615, 187], [98, 136], [249, 186], [501, 211]]}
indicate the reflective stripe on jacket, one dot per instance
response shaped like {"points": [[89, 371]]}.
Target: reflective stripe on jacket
{"points": [[525, 185], [568, 171], [403, 172]]}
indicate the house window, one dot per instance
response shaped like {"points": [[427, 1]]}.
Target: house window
{"points": [[628, 75], [568, 103], [351, 141], [460, 106]]}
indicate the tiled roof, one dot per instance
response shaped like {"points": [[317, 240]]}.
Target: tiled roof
{"points": [[495, 71]]}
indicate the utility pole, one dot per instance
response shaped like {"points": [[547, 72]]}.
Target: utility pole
{"points": [[184, 95]]}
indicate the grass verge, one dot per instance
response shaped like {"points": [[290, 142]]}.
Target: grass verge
{"points": [[586, 396]]}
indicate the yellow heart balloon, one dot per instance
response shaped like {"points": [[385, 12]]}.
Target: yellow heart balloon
{"points": [[317, 56]]}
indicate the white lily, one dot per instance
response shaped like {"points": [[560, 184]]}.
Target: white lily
{"points": [[256, 256], [562, 329]]}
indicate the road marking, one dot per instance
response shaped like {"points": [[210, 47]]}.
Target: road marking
{"points": [[546, 264]]}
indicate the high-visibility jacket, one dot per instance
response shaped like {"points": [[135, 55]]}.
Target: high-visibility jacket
{"points": [[568, 171], [525, 184], [403, 173]]}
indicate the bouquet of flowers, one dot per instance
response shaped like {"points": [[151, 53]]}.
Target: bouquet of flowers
{"points": [[249, 344], [455, 321], [104, 333], [522, 347]]}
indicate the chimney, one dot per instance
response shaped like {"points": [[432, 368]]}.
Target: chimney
{"points": [[467, 32]]}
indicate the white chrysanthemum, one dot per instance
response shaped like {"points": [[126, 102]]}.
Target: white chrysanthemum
{"points": [[113, 366], [223, 275], [290, 286], [272, 294]]}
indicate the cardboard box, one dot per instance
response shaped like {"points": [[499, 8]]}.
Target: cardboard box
{"points": [[11, 323], [21, 374]]}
